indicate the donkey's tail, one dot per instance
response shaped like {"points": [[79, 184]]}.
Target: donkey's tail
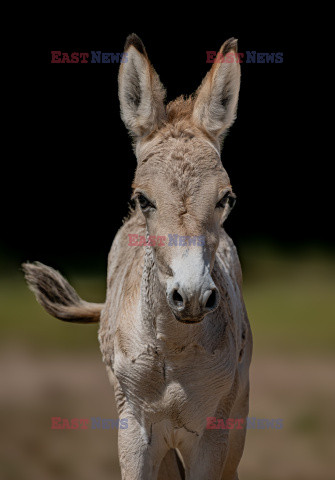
{"points": [[57, 296]]}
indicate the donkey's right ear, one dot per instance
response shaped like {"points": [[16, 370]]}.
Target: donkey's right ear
{"points": [[141, 93]]}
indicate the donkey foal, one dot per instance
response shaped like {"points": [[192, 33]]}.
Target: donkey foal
{"points": [[174, 333]]}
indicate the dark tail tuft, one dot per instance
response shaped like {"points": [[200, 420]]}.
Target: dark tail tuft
{"points": [[57, 296]]}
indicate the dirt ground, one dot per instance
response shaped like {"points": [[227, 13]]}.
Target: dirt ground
{"points": [[38, 386]]}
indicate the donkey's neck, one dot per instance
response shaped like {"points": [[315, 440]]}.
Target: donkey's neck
{"points": [[157, 319]]}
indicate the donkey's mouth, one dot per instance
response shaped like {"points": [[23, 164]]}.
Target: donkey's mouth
{"points": [[189, 320]]}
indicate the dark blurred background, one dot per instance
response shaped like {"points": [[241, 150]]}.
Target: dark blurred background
{"points": [[72, 163], [66, 186]]}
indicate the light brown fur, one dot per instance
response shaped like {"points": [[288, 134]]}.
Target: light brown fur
{"points": [[173, 363]]}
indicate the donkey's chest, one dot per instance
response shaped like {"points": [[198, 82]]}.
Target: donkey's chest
{"points": [[173, 386]]}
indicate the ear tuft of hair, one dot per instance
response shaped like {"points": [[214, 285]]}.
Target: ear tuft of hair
{"points": [[229, 45], [57, 296], [134, 41]]}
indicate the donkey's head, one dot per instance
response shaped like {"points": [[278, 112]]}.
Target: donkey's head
{"points": [[180, 184]]}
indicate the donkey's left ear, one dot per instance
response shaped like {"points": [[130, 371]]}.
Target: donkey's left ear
{"points": [[216, 98], [141, 93]]}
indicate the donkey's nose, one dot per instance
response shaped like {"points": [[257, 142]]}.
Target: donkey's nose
{"points": [[210, 299], [191, 306], [178, 300]]}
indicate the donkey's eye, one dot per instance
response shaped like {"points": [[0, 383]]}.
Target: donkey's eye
{"points": [[145, 204], [228, 198]]}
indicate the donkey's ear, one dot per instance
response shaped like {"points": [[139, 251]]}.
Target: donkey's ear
{"points": [[216, 98], [141, 93]]}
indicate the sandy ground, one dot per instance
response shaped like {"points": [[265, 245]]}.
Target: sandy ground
{"points": [[38, 386]]}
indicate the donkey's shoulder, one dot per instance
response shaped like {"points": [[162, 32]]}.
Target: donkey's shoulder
{"points": [[125, 265], [122, 253]]}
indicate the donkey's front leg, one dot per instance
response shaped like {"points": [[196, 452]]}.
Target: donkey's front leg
{"points": [[141, 450], [204, 458]]}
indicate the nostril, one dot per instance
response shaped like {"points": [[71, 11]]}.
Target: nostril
{"points": [[212, 300], [177, 299]]}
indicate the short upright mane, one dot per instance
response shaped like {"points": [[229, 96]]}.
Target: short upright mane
{"points": [[179, 109]]}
